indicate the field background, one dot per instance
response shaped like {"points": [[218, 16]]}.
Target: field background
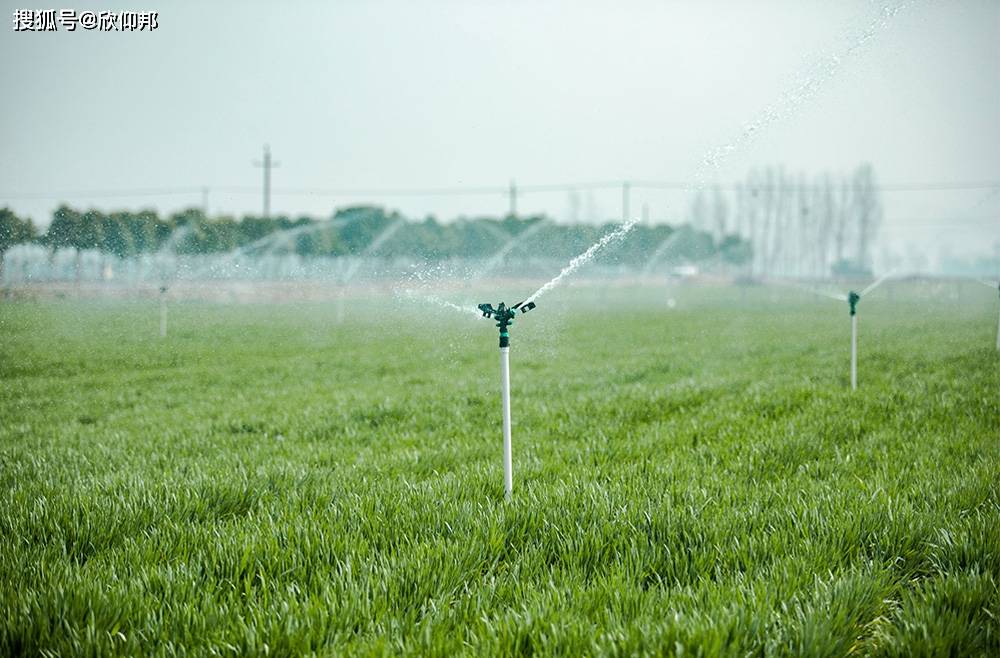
{"points": [[268, 480]]}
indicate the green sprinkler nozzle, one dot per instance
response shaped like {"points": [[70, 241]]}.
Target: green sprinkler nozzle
{"points": [[852, 299], [504, 317]]}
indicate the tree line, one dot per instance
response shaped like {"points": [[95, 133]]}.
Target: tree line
{"points": [[353, 231], [772, 224]]}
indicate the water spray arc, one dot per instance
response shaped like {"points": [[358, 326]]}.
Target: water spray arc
{"points": [[372, 247], [511, 243], [505, 317], [229, 257], [355, 264], [661, 249], [584, 258]]}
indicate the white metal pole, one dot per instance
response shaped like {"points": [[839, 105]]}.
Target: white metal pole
{"points": [[854, 352], [508, 468], [163, 315], [998, 333]]}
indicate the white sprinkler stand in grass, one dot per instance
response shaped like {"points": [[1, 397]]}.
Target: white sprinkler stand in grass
{"points": [[508, 460], [852, 298], [505, 317], [995, 286], [163, 311]]}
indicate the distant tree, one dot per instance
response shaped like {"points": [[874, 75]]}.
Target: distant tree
{"points": [[798, 227], [514, 225], [867, 211], [360, 225], [72, 229], [735, 250], [13, 231], [63, 231], [205, 236], [253, 228], [198, 236], [163, 229], [223, 234], [842, 221], [750, 211], [693, 245], [825, 216], [116, 238], [90, 235], [700, 215], [318, 241], [720, 213], [145, 230], [356, 230], [849, 269]]}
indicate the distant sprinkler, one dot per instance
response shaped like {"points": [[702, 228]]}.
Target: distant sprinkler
{"points": [[998, 322], [997, 287], [505, 317], [852, 298], [163, 311]]}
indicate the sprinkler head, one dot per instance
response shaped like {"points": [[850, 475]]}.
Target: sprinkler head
{"points": [[504, 317], [852, 299], [163, 289]]}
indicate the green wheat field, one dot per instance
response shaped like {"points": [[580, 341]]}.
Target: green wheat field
{"points": [[697, 480]]}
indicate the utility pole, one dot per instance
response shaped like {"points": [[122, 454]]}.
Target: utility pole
{"points": [[645, 213], [512, 193], [204, 201], [267, 165], [625, 200]]}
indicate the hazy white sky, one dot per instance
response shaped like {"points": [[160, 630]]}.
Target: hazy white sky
{"points": [[440, 94]]}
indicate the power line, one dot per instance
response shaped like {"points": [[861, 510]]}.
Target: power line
{"points": [[518, 190], [932, 187], [951, 221], [885, 187], [469, 190], [319, 191]]}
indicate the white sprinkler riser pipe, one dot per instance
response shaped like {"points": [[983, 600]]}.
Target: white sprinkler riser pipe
{"points": [[163, 316], [854, 352], [508, 468], [998, 333]]}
